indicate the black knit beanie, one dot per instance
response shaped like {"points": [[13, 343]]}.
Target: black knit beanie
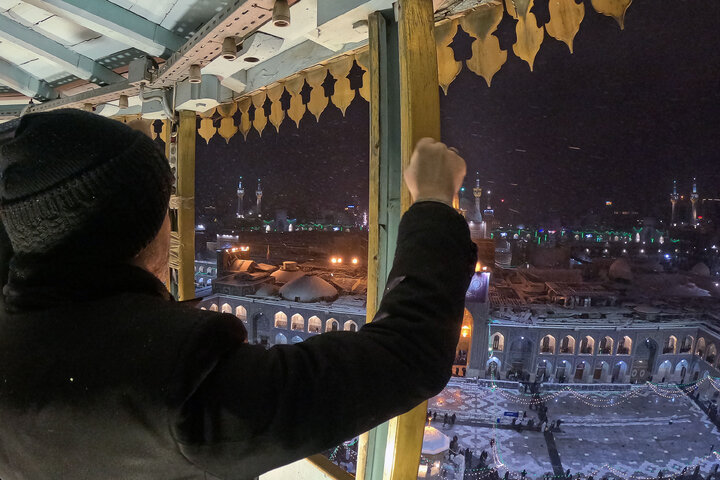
{"points": [[76, 184]]}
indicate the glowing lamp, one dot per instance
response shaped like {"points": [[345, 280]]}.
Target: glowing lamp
{"points": [[355, 261], [339, 260], [465, 331], [244, 248], [333, 260], [478, 267]]}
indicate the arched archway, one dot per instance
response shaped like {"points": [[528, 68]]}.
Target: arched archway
{"points": [[280, 320], [350, 326], [664, 371], [687, 344], [296, 339], [700, 347], [711, 354], [519, 357], [601, 374], [241, 313], [492, 367], [297, 322], [280, 339], [214, 307], [226, 308], [670, 345], [606, 346], [619, 372], [314, 324], [563, 371], [547, 345], [624, 346], [462, 350], [498, 342], [581, 372], [644, 361], [587, 345], [567, 345], [543, 371], [681, 371], [332, 325]]}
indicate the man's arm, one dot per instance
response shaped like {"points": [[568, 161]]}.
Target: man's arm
{"points": [[259, 409]]}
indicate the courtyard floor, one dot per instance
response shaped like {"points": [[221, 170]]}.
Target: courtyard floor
{"points": [[632, 434]]}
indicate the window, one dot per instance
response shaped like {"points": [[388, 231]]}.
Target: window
{"points": [[297, 322], [606, 346], [624, 346], [700, 348], [547, 345], [226, 308], [567, 345], [214, 307], [687, 344], [332, 325], [241, 313], [670, 344], [711, 354], [587, 345], [280, 320], [498, 342], [314, 324]]}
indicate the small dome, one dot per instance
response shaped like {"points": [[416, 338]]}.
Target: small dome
{"points": [[308, 289], [620, 270], [701, 270], [285, 276]]}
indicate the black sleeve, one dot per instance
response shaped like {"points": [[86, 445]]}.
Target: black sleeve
{"points": [[259, 409]]}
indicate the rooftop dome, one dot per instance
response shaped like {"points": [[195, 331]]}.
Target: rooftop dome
{"points": [[308, 289], [620, 270], [286, 276], [701, 270]]}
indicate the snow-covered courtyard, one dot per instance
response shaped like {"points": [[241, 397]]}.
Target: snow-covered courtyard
{"points": [[631, 434]]}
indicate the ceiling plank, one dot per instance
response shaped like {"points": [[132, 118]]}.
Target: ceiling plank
{"points": [[116, 22], [79, 65], [21, 81]]}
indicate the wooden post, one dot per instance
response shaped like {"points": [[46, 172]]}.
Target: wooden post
{"points": [[182, 257], [419, 117], [404, 107]]}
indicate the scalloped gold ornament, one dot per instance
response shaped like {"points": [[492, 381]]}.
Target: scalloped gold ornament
{"points": [[487, 57], [318, 101], [297, 108], [613, 8], [260, 121], [343, 95], [565, 19], [448, 68]]}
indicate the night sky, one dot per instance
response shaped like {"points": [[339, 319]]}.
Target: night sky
{"points": [[639, 107]]}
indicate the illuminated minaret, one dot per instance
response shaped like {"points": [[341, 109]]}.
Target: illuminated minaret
{"points": [[477, 193], [693, 201], [673, 200], [240, 195], [258, 194]]}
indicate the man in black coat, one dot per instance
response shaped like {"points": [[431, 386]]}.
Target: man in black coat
{"points": [[103, 376]]}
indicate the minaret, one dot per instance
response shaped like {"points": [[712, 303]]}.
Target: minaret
{"points": [[693, 200], [240, 195], [477, 193], [673, 200], [258, 194]]}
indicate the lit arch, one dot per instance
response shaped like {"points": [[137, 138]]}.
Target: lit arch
{"points": [[687, 344], [214, 307], [203, 308], [587, 345], [567, 345], [280, 320], [296, 339], [624, 346], [297, 322], [280, 339], [498, 342], [332, 325], [711, 354], [547, 345], [606, 346], [241, 313], [350, 326], [226, 308], [314, 324], [700, 347], [670, 345]]}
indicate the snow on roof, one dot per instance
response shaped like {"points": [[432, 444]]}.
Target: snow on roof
{"points": [[286, 276], [308, 289], [434, 441]]}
